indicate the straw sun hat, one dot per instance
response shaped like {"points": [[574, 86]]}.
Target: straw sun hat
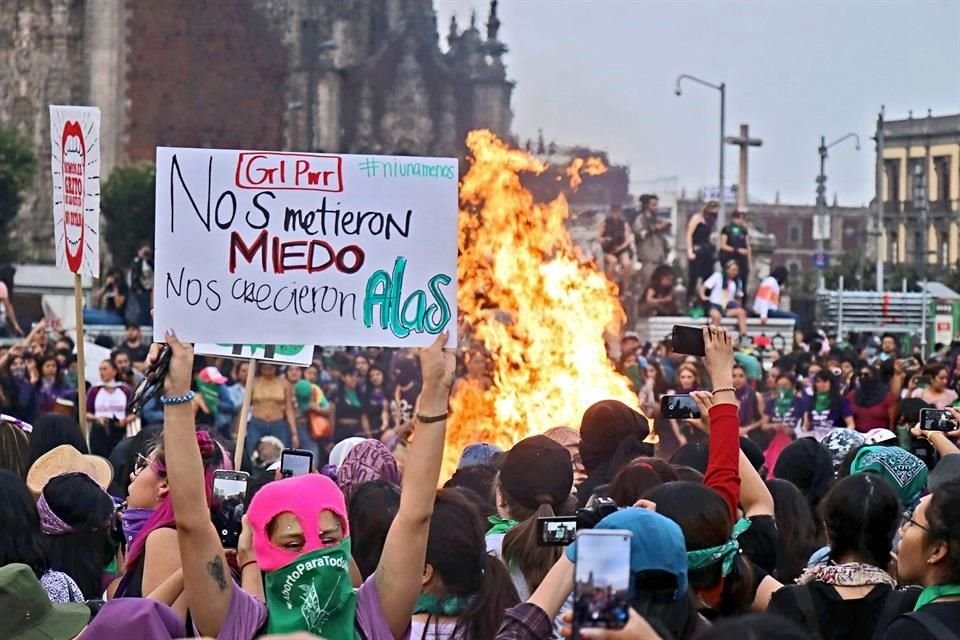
{"points": [[66, 459]]}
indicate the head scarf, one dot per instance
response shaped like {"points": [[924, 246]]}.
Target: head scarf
{"points": [[342, 448], [309, 589], [808, 466], [905, 471], [840, 442], [725, 553], [611, 432], [305, 497], [369, 460]]}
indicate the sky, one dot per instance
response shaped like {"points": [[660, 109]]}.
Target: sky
{"points": [[602, 74]]}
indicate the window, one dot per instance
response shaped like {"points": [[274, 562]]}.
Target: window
{"points": [[918, 184], [944, 249], [794, 232], [892, 169], [893, 248], [794, 268], [941, 167]]}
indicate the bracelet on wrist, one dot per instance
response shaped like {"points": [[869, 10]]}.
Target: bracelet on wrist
{"points": [[422, 419], [247, 564], [174, 400], [722, 389]]}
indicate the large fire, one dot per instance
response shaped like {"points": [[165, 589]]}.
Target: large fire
{"points": [[537, 306]]}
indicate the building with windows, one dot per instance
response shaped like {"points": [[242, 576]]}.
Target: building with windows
{"points": [[921, 190]]}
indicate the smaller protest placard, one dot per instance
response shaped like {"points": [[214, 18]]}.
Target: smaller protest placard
{"points": [[75, 169], [297, 354]]}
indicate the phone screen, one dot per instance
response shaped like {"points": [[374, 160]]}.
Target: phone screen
{"points": [[688, 340], [601, 580], [679, 406], [937, 420], [295, 462], [557, 531], [227, 508]]}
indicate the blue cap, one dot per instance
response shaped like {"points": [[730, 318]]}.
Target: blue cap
{"points": [[478, 453], [657, 543]]}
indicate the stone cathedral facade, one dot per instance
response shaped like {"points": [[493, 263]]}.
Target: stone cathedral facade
{"points": [[351, 76]]}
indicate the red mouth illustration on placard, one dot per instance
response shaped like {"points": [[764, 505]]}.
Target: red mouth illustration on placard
{"points": [[73, 165]]}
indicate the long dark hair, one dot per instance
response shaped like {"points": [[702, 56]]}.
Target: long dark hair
{"points": [[632, 482], [371, 511], [521, 545], [660, 384], [705, 520], [861, 514], [82, 555], [60, 378], [796, 530], [52, 430], [14, 449], [835, 398], [457, 551], [20, 537]]}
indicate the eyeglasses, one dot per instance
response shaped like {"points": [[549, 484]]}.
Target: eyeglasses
{"points": [[907, 521], [142, 463]]}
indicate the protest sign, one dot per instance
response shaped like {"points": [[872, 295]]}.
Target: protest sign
{"points": [[297, 354], [75, 168], [294, 248]]}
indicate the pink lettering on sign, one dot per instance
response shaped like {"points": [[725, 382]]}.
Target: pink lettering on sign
{"points": [[73, 163], [292, 171]]}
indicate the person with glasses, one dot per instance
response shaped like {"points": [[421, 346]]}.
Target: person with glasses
{"points": [[929, 555]]}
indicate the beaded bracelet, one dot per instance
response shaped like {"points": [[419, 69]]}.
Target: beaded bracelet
{"points": [[721, 390], [184, 399]]}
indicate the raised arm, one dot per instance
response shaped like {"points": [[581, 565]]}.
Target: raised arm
{"points": [[399, 574], [208, 585], [291, 414]]}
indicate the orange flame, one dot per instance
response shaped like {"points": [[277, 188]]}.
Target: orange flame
{"points": [[540, 311], [591, 166]]}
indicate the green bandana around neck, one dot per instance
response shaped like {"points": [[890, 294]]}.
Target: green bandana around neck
{"points": [[313, 593], [447, 606], [935, 592], [726, 552], [500, 525], [821, 402], [784, 401], [351, 397]]}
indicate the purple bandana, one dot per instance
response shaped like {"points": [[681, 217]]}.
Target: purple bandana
{"points": [[132, 521], [50, 523]]}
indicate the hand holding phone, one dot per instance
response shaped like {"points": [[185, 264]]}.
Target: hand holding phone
{"points": [[937, 420], [295, 462], [601, 580], [228, 504]]}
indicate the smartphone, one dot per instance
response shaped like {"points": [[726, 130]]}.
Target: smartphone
{"points": [[688, 340], [227, 507], [680, 406], [295, 462], [937, 420], [556, 531], [601, 595]]}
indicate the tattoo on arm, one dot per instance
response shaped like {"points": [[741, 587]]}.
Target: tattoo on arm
{"points": [[217, 572]]}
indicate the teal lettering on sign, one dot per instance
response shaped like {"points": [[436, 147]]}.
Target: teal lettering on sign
{"points": [[412, 315]]}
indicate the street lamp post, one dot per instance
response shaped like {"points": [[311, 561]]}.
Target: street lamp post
{"points": [[822, 226], [722, 88]]}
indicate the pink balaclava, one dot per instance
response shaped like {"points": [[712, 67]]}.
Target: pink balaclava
{"points": [[305, 497]]}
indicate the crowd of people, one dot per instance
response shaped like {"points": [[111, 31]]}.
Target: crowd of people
{"points": [[642, 250], [804, 502]]}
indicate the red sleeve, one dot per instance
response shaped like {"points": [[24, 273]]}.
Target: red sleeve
{"points": [[723, 466]]}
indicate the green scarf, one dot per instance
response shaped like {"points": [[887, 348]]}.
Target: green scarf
{"points": [[447, 606], [726, 552], [935, 592], [784, 401], [313, 593], [821, 402], [351, 397], [500, 525]]}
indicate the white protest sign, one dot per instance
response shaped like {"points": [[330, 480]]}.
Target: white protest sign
{"points": [[297, 354], [294, 248], [75, 169]]}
